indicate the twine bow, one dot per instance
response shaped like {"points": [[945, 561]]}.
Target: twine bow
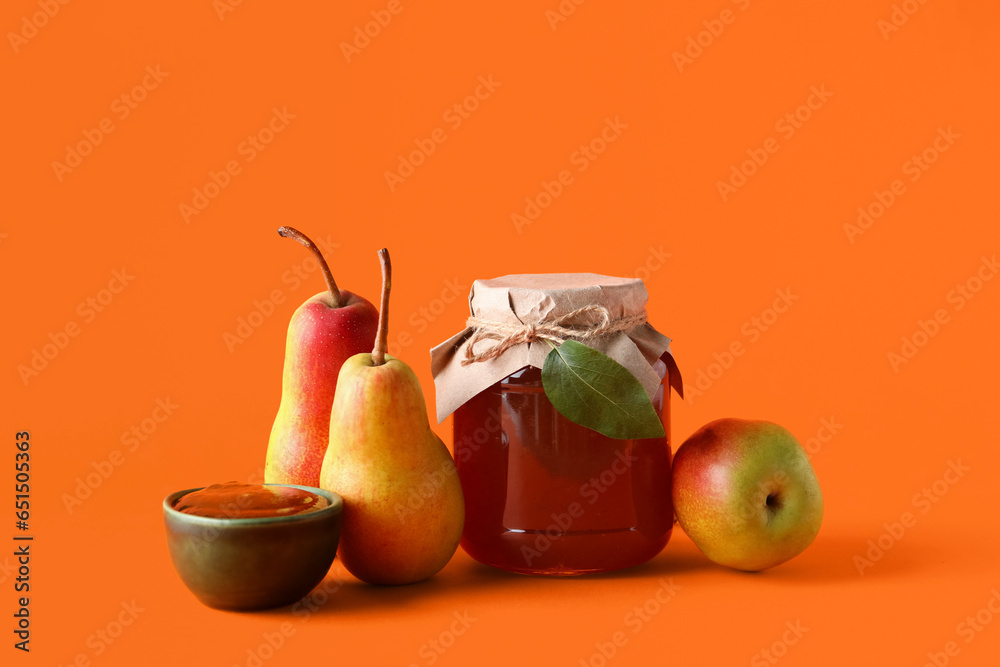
{"points": [[584, 323]]}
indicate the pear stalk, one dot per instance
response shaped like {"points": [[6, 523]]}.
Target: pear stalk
{"points": [[382, 340], [331, 284]]}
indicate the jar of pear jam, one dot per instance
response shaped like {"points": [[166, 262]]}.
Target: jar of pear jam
{"points": [[544, 495]]}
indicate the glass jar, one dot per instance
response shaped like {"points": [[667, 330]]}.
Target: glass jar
{"points": [[543, 494], [546, 496]]}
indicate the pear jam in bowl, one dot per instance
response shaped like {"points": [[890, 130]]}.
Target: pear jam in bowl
{"points": [[252, 546]]}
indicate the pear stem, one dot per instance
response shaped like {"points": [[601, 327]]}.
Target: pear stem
{"points": [[331, 284], [382, 340]]}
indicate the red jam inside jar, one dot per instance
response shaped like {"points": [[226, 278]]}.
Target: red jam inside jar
{"points": [[546, 496]]}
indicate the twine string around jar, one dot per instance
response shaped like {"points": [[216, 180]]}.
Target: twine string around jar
{"points": [[584, 323]]}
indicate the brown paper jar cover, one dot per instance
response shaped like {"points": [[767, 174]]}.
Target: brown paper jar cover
{"points": [[544, 298]]}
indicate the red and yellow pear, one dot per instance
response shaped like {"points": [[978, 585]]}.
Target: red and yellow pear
{"points": [[745, 493], [326, 330]]}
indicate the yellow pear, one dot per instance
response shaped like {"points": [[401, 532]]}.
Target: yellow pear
{"points": [[403, 508]]}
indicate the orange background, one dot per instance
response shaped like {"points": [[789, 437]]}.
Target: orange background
{"points": [[653, 190]]}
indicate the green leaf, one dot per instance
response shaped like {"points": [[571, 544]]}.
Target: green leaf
{"points": [[593, 390]]}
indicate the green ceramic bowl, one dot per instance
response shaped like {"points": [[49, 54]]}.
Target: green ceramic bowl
{"points": [[245, 564]]}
